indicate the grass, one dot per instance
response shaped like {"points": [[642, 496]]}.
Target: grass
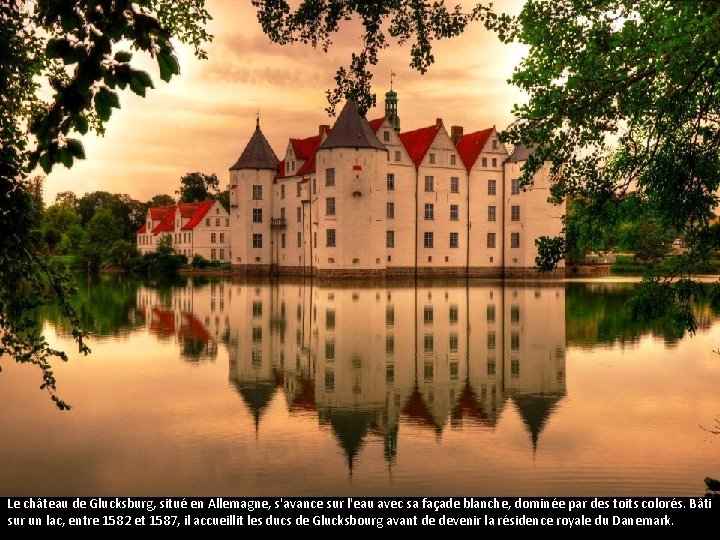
{"points": [[626, 265]]}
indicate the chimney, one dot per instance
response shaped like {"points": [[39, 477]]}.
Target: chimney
{"points": [[438, 122], [323, 131], [456, 133]]}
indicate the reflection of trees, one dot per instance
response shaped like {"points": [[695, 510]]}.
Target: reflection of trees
{"points": [[597, 313], [105, 304]]}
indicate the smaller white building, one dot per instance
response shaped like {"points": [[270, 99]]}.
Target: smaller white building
{"points": [[198, 228]]}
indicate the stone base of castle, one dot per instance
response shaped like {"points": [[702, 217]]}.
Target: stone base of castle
{"points": [[491, 272]]}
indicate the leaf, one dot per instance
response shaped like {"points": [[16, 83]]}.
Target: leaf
{"points": [[139, 81], [46, 162], [75, 148], [104, 100], [169, 66], [66, 157], [123, 56], [81, 125]]}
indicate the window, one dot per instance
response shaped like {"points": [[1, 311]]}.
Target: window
{"points": [[222, 237], [390, 345], [515, 213], [428, 314], [213, 254], [282, 240], [257, 308], [453, 314], [299, 214], [491, 366], [257, 215], [222, 254], [314, 183], [514, 341], [282, 191], [391, 210], [431, 159], [390, 181], [492, 213], [329, 177], [207, 222], [454, 184], [299, 189], [256, 334], [514, 314], [491, 313], [428, 343], [282, 213], [452, 159], [454, 239], [227, 222], [454, 212], [397, 155], [217, 222], [514, 367], [428, 240], [429, 211], [429, 183], [453, 342], [330, 238], [386, 135], [390, 239], [330, 206], [515, 240], [257, 240], [515, 186], [491, 240], [213, 238], [484, 162], [330, 319], [494, 162], [257, 193], [329, 350], [494, 144], [299, 239], [491, 340]]}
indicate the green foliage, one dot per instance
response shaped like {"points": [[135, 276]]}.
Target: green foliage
{"points": [[71, 51], [197, 186], [124, 254], [160, 200], [61, 216], [52, 238], [623, 97], [404, 21]]}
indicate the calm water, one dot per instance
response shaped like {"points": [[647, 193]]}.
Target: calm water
{"points": [[211, 387]]}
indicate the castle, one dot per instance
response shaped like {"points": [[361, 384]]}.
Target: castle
{"points": [[365, 199]]}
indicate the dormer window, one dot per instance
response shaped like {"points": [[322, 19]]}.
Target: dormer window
{"points": [[386, 136], [431, 158], [495, 144]]}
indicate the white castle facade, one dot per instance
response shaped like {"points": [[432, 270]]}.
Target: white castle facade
{"points": [[366, 199]]}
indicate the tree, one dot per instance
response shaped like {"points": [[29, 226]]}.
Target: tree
{"points": [[61, 216], [160, 200], [624, 98], [79, 53], [196, 186]]}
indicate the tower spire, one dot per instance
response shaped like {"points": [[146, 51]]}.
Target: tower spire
{"points": [[391, 101]]}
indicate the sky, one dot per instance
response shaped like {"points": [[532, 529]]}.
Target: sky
{"points": [[203, 118]]}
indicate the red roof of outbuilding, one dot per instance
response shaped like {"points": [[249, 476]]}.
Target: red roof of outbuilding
{"points": [[202, 209], [305, 148], [307, 167], [158, 212], [417, 142], [469, 146], [168, 221]]}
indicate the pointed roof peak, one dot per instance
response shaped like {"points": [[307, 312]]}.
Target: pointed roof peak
{"points": [[351, 131], [257, 154]]}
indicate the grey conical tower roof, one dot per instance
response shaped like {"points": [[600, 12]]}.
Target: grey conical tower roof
{"points": [[351, 131], [257, 154]]}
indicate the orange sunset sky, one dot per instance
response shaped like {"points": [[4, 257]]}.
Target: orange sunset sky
{"points": [[202, 119]]}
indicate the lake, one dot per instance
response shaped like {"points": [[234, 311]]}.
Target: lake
{"points": [[219, 387]]}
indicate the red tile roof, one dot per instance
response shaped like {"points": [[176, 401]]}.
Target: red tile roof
{"points": [[168, 221], [469, 146], [191, 328], [307, 167], [280, 171], [375, 124], [305, 148], [200, 212], [195, 212], [417, 142]]}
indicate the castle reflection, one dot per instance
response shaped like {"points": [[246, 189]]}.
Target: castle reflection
{"points": [[370, 359]]}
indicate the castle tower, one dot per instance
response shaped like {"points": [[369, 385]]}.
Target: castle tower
{"points": [[251, 180], [351, 167], [391, 109]]}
